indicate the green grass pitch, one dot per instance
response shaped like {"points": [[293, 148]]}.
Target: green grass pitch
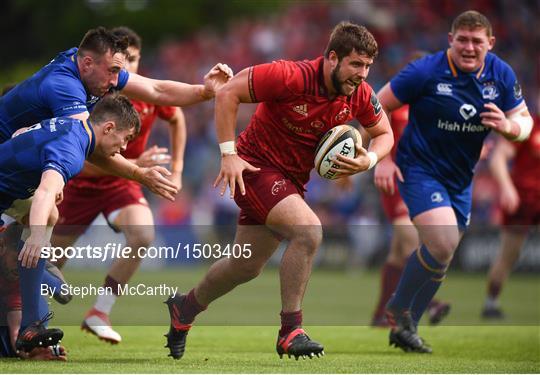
{"points": [[237, 334]]}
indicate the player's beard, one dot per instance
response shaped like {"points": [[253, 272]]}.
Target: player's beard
{"points": [[336, 81]]}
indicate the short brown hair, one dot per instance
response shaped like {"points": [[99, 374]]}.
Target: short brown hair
{"points": [[117, 108], [472, 19], [347, 37], [100, 41], [134, 40]]}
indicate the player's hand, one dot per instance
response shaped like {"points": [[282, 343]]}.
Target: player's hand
{"points": [[45, 354], [509, 199], [31, 251], [385, 173], [153, 156], [215, 79], [349, 166], [156, 179], [230, 174], [495, 119]]}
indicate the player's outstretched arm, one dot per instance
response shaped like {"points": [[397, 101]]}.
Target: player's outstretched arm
{"points": [[498, 164], [43, 213], [228, 99], [152, 177], [174, 93]]}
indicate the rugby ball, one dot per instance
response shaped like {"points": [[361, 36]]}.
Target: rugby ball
{"points": [[338, 140]]}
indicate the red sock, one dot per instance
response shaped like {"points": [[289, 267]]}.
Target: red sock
{"points": [[494, 290], [290, 321], [390, 275], [191, 308], [111, 283]]}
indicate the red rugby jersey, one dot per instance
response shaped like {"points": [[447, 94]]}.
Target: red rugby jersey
{"points": [[148, 114], [526, 169], [293, 114]]}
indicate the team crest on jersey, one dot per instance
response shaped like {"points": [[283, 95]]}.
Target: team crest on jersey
{"points": [[279, 185], [317, 124], [467, 111], [437, 197], [517, 91], [444, 89], [343, 115], [93, 100], [375, 103], [489, 92], [301, 109]]}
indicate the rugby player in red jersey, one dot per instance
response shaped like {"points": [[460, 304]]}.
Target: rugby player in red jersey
{"points": [[121, 201], [520, 202], [404, 236], [267, 168]]}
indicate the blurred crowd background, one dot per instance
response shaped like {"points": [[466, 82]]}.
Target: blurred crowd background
{"points": [[183, 39]]}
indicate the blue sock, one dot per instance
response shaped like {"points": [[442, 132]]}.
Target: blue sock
{"points": [[420, 268], [424, 297], [30, 286], [52, 282]]}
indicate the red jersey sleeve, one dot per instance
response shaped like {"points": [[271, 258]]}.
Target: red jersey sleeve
{"points": [[368, 109], [272, 81], [165, 112]]}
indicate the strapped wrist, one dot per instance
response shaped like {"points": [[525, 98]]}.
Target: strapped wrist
{"points": [[373, 159], [227, 148]]}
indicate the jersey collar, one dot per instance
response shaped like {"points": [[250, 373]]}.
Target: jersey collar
{"points": [[454, 69]]}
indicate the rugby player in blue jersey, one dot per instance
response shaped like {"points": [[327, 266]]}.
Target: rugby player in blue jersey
{"points": [[456, 98], [39, 162], [76, 79]]}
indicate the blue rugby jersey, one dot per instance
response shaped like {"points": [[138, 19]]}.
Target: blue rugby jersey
{"points": [[55, 90], [61, 144], [445, 135]]}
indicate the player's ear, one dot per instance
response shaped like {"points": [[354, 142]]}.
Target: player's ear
{"points": [[491, 43], [87, 61], [450, 38], [333, 58], [109, 127]]}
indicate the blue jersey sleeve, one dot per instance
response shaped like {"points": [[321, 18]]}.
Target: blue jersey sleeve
{"points": [[123, 77], [64, 95], [407, 85], [61, 156], [511, 96]]}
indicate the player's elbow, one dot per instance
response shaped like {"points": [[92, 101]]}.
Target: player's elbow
{"points": [[227, 95]]}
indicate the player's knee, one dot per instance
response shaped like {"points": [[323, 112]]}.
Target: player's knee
{"points": [[141, 239], [443, 248], [308, 238]]}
